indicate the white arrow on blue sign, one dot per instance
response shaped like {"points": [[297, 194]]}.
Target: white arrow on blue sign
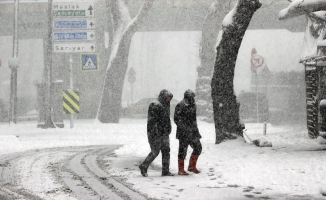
{"points": [[74, 24], [73, 36]]}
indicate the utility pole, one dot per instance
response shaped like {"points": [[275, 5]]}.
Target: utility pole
{"points": [[13, 64], [48, 71]]}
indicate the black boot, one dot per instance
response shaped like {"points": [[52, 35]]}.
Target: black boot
{"points": [[167, 174], [143, 170], [144, 166]]}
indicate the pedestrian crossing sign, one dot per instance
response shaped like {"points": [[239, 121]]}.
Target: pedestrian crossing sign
{"points": [[89, 62]]}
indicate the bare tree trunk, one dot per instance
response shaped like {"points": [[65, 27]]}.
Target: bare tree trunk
{"points": [[124, 29], [210, 30], [225, 106]]}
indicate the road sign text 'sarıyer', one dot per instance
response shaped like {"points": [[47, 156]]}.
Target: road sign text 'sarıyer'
{"points": [[74, 47]]}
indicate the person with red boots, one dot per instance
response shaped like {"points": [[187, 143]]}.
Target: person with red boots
{"points": [[187, 132]]}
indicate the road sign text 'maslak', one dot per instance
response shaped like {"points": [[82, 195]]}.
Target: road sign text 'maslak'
{"points": [[77, 9]]}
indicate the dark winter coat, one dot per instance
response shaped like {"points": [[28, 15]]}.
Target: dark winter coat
{"points": [[158, 121], [185, 119]]}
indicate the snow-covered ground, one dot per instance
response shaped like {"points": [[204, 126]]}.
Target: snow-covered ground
{"points": [[294, 168]]}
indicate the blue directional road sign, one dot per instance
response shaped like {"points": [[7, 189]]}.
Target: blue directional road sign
{"points": [[73, 24], [73, 36], [89, 62]]}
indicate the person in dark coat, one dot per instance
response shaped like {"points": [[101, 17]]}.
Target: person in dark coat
{"points": [[158, 131], [187, 132]]}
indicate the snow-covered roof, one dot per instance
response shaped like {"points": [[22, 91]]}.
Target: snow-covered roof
{"points": [[301, 7]]}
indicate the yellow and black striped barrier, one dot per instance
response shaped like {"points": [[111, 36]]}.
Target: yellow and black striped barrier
{"points": [[71, 101]]}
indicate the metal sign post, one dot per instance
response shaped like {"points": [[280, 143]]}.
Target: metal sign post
{"points": [[257, 113], [131, 80], [256, 61], [71, 87]]}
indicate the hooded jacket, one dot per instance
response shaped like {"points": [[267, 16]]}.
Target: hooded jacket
{"points": [[185, 118], [158, 121]]}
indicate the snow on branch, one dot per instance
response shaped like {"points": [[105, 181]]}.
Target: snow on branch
{"points": [[237, 18], [302, 7], [127, 26], [228, 19], [319, 15], [139, 18], [120, 14]]}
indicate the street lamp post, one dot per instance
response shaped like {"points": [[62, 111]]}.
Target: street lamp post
{"points": [[48, 71], [13, 64]]}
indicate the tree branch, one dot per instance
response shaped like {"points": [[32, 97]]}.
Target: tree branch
{"points": [[120, 18], [119, 13], [303, 8], [139, 18], [212, 25]]}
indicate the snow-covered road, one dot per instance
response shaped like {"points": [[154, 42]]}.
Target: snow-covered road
{"points": [[100, 161], [61, 173]]}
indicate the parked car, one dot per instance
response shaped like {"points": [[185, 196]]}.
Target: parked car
{"points": [[140, 108], [248, 107]]}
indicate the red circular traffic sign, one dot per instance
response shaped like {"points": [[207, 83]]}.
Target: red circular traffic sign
{"points": [[257, 60]]}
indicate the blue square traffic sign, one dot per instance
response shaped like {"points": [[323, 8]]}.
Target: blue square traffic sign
{"points": [[89, 62]]}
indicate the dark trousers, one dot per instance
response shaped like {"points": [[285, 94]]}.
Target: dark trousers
{"points": [[323, 117], [161, 144], [183, 147]]}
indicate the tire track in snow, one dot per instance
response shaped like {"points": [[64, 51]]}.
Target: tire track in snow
{"points": [[38, 176], [8, 194], [83, 175], [8, 168], [102, 190], [30, 173], [9, 180], [93, 167], [61, 173]]}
